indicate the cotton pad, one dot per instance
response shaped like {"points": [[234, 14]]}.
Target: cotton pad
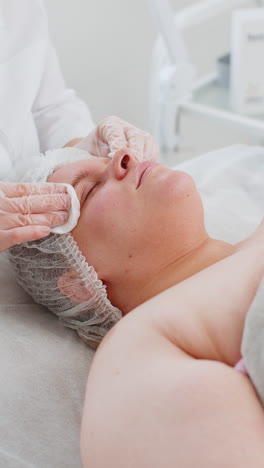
{"points": [[73, 215]]}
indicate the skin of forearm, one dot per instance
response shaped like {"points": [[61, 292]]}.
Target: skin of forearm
{"points": [[204, 315]]}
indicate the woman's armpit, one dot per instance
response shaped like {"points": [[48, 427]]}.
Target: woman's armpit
{"points": [[180, 325]]}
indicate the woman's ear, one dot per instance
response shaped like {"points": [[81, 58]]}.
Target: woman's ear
{"points": [[74, 288]]}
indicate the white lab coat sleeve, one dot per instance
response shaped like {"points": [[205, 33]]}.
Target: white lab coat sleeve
{"points": [[59, 114]]}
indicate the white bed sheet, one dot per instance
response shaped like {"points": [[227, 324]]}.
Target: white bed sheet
{"points": [[44, 366]]}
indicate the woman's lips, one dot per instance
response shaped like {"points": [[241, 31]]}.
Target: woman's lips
{"points": [[143, 169]]}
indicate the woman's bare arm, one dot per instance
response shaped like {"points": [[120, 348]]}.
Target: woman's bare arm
{"points": [[204, 315], [151, 402], [164, 409]]}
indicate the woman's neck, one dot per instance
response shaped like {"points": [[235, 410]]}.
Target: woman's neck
{"points": [[200, 257]]}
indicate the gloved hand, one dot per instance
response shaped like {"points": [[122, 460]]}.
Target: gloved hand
{"points": [[113, 134], [27, 211]]}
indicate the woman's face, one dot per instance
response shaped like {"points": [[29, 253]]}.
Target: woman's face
{"points": [[133, 215]]}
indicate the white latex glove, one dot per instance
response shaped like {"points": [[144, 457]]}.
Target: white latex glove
{"points": [[27, 211], [113, 134]]}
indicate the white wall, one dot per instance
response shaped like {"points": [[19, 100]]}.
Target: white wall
{"points": [[104, 47]]}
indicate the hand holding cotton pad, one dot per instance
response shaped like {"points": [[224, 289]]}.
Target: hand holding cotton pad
{"points": [[37, 169], [74, 213]]}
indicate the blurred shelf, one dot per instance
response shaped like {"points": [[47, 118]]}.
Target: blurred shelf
{"points": [[209, 100], [213, 95]]}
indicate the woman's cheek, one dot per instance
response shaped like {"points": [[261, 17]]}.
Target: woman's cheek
{"points": [[102, 207]]}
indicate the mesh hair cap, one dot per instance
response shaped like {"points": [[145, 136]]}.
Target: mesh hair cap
{"points": [[54, 271]]}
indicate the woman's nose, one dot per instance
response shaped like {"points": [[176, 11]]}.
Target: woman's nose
{"points": [[123, 161]]}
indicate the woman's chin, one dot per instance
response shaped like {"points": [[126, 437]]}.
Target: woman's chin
{"points": [[177, 183]]}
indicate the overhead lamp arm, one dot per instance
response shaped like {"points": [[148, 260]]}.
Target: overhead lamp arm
{"points": [[163, 18]]}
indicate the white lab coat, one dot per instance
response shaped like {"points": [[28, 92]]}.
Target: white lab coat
{"points": [[37, 111]]}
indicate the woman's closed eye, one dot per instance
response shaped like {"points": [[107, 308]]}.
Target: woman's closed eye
{"points": [[90, 190]]}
